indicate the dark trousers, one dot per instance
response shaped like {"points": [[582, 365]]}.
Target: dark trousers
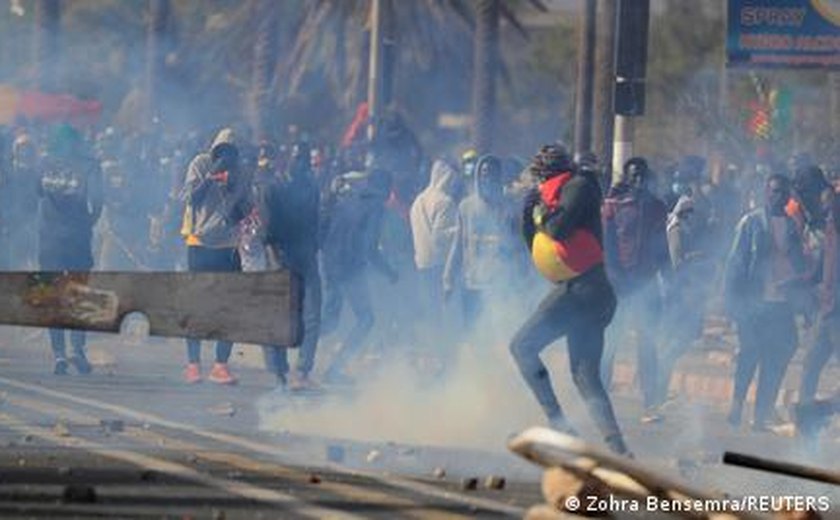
{"points": [[277, 356], [355, 290], [826, 342], [767, 341], [580, 310], [51, 257], [205, 259]]}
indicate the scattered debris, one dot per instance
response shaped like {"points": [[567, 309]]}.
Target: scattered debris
{"points": [[469, 484], [314, 478], [495, 482], [219, 514], [61, 429], [28, 438], [146, 426], [192, 459], [406, 452], [373, 456], [78, 494], [112, 425], [439, 473], [223, 409], [335, 453]]}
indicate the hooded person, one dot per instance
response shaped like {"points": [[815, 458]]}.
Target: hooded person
{"points": [[561, 225], [434, 221], [288, 209], [70, 202], [353, 222], [216, 195], [479, 260]]}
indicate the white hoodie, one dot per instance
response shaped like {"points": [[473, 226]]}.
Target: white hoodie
{"points": [[434, 218]]}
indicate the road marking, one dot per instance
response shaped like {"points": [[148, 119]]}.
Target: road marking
{"points": [[267, 449], [157, 439], [147, 462]]}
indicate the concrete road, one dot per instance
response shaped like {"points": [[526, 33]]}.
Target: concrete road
{"points": [[132, 440]]}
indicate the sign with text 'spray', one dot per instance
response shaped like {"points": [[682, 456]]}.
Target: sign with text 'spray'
{"points": [[783, 34]]}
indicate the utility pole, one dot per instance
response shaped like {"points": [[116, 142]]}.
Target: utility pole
{"points": [[585, 80], [374, 97], [631, 66], [485, 66], [605, 55]]}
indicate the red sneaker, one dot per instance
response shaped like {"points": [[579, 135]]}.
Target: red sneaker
{"points": [[192, 374], [220, 375]]}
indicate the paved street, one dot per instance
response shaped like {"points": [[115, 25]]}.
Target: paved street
{"points": [[132, 440]]}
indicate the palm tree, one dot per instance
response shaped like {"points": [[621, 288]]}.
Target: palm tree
{"points": [[45, 42], [159, 14], [263, 66]]}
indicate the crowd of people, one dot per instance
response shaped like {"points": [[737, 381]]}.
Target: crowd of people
{"points": [[458, 242]]}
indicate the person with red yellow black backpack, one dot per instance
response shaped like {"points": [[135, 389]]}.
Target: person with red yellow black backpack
{"points": [[561, 224]]}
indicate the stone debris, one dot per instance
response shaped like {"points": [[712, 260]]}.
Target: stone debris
{"points": [[112, 425], [495, 482], [314, 478], [223, 409], [469, 484], [439, 473], [373, 456], [61, 429]]}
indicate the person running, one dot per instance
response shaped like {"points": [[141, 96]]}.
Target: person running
{"points": [[562, 228]]}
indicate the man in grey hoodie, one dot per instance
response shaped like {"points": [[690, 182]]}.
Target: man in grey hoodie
{"points": [[216, 197]]}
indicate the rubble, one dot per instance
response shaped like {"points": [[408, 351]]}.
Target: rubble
{"points": [[112, 425], [439, 473], [373, 456], [223, 409], [314, 478], [61, 429], [494, 482], [469, 484]]}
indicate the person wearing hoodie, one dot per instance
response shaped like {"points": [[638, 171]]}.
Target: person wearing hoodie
{"points": [[353, 221], [434, 220], [288, 209], [216, 196], [561, 225], [70, 195], [479, 259]]}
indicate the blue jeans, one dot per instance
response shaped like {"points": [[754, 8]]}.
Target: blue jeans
{"points": [[204, 259]]}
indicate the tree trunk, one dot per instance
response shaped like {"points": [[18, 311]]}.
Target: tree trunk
{"points": [[159, 13], [46, 59], [264, 64], [485, 66]]}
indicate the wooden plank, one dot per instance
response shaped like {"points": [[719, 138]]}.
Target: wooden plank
{"points": [[258, 307]]}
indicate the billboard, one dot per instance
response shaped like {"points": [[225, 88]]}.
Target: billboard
{"points": [[783, 34]]}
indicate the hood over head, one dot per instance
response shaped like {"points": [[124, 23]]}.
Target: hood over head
{"points": [[224, 147], [443, 177]]}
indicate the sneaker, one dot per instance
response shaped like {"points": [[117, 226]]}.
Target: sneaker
{"points": [[81, 363], [299, 382], [651, 416], [60, 367], [220, 375], [192, 374]]}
